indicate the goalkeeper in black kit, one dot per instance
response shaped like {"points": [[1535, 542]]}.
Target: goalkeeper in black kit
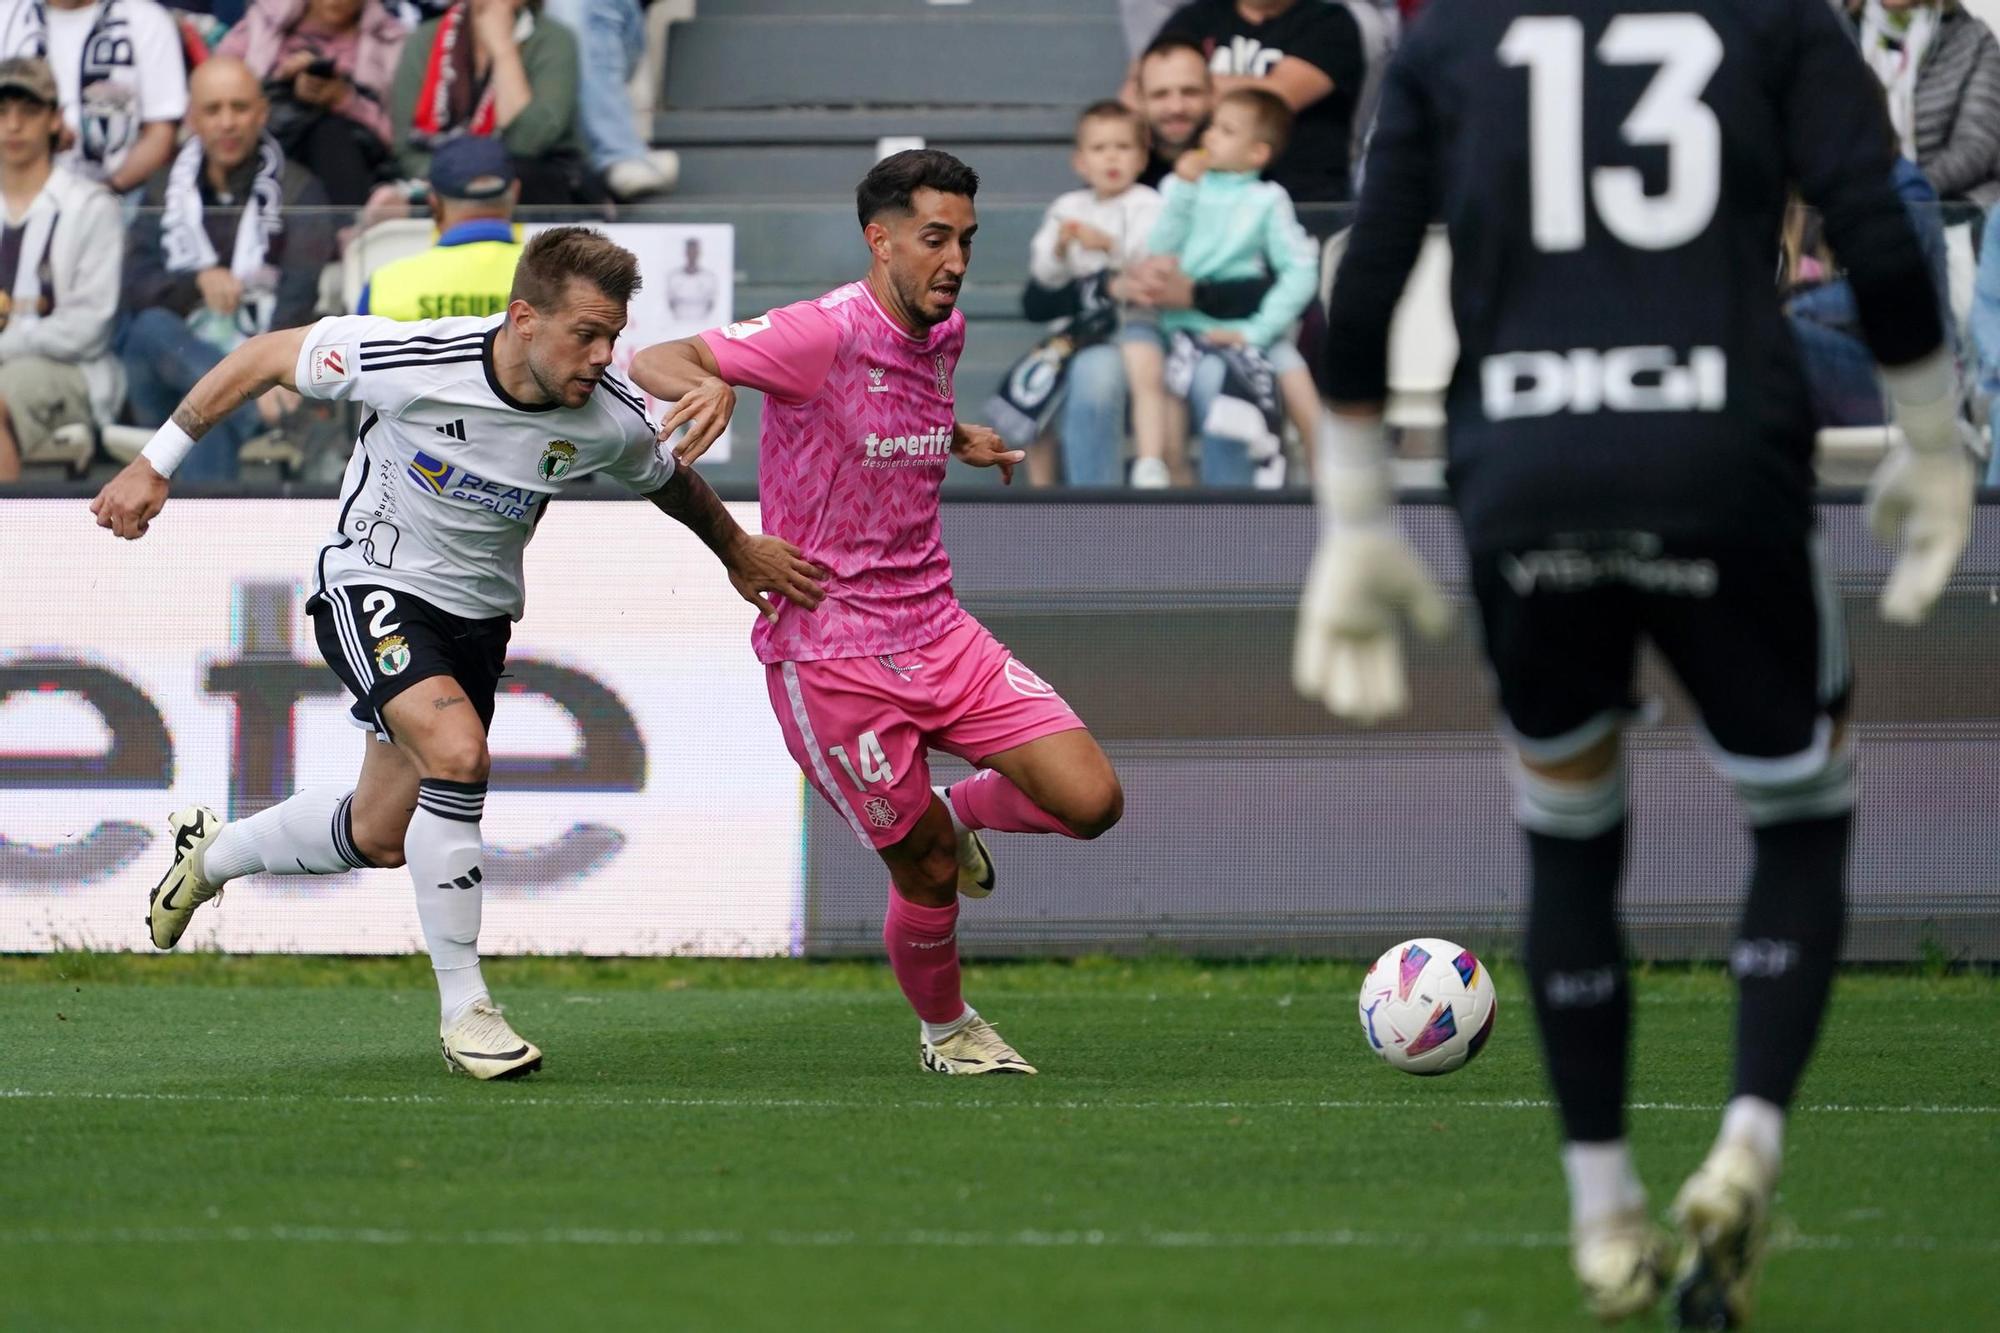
{"points": [[1630, 454]]}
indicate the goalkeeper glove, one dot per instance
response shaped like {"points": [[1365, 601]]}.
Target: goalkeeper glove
{"points": [[1920, 499], [1347, 653]]}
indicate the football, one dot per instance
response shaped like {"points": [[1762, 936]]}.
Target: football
{"points": [[1427, 1006]]}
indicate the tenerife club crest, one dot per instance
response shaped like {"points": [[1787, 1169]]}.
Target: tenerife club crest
{"points": [[943, 376], [557, 459], [392, 655]]}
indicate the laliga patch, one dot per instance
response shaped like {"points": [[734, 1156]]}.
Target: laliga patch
{"points": [[747, 328], [331, 365]]}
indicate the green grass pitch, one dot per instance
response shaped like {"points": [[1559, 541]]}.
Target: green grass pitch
{"points": [[215, 1144]]}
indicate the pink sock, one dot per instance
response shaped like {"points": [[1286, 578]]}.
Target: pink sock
{"points": [[923, 952], [986, 800]]}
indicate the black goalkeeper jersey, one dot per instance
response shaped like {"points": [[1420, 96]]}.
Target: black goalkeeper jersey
{"points": [[1613, 175]]}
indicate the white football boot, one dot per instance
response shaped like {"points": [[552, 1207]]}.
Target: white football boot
{"points": [[1621, 1264], [484, 1045], [975, 1048], [182, 889], [976, 876], [1724, 1213]]}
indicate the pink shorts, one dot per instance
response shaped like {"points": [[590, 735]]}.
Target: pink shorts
{"points": [[860, 726]]}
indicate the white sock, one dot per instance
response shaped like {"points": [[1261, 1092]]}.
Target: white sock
{"points": [[459, 988], [1602, 1183], [309, 834], [442, 848], [1758, 1124], [937, 1032], [957, 824]]}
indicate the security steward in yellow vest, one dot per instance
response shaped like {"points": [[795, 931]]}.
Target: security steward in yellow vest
{"points": [[470, 270]]}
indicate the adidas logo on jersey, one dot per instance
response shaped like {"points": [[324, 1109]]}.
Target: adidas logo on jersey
{"points": [[456, 430], [1616, 379]]}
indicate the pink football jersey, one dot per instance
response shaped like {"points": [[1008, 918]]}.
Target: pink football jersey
{"points": [[857, 431]]}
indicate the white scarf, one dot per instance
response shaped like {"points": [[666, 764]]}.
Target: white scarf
{"points": [[27, 293], [1894, 47], [184, 238], [107, 127]]}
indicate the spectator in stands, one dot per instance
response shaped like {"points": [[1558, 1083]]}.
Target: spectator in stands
{"points": [[230, 245], [470, 270], [1173, 90], [1086, 237], [1840, 370], [1306, 52], [59, 249], [1941, 69], [121, 77], [611, 34], [495, 68], [1223, 221], [327, 65]]}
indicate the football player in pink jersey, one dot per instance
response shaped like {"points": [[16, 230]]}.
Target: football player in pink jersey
{"points": [[858, 429]]}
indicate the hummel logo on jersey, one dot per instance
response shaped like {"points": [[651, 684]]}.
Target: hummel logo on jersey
{"points": [[456, 430], [875, 376]]}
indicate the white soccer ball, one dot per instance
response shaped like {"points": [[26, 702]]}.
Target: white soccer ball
{"points": [[1427, 1006]]}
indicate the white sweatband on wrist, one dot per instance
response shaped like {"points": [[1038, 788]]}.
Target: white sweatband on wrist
{"points": [[1352, 479], [169, 445], [1925, 393]]}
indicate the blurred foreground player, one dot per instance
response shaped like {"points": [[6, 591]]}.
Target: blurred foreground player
{"points": [[1631, 457], [473, 425], [858, 429]]}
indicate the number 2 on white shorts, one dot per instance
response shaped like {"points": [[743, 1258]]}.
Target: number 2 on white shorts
{"points": [[874, 763]]}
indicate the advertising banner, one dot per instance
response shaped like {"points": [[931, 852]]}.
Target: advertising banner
{"points": [[642, 801], [687, 274]]}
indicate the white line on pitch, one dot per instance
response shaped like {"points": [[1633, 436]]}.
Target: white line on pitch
{"points": [[586, 1102], [1032, 1239]]}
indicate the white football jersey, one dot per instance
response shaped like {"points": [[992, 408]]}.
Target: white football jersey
{"points": [[691, 296], [450, 473]]}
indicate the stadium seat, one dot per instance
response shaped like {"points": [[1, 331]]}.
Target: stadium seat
{"points": [[388, 240]]}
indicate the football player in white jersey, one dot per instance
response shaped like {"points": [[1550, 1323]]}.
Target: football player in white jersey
{"points": [[471, 426]]}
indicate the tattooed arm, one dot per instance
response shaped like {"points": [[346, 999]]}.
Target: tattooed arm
{"points": [[131, 500], [756, 565]]}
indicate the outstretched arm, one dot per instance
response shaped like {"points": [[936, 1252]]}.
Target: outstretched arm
{"points": [[131, 500], [756, 565], [685, 374], [785, 353]]}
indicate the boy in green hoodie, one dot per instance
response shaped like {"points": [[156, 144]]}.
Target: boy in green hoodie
{"points": [[1221, 220]]}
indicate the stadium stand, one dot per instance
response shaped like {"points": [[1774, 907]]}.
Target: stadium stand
{"points": [[998, 84]]}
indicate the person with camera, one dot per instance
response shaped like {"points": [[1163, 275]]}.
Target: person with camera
{"points": [[326, 66]]}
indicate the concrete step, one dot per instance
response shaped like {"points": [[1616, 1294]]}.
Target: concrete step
{"points": [[950, 57], [831, 171]]}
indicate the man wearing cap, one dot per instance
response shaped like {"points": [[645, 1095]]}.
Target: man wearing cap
{"points": [[230, 245], [470, 270], [121, 81], [60, 241]]}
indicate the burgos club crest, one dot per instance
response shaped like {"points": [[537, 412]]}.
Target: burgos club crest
{"points": [[392, 655], [557, 459]]}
